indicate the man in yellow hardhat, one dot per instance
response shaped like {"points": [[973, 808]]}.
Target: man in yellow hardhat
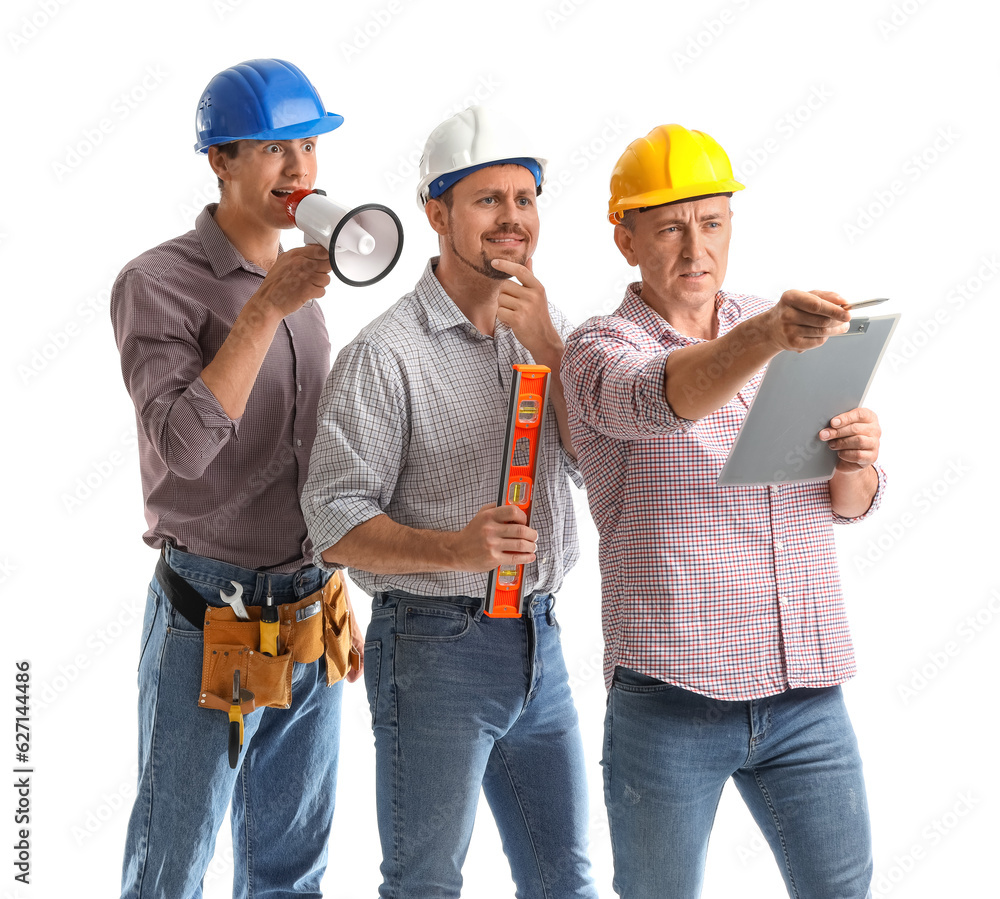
{"points": [[726, 636]]}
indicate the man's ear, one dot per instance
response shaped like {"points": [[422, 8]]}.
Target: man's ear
{"points": [[438, 215], [623, 240], [220, 164]]}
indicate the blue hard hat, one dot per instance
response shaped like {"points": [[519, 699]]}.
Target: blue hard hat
{"points": [[443, 182], [261, 99]]}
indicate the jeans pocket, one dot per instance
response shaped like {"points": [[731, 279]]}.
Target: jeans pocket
{"points": [[373, 667], [434, 623], [153, 600], [179, 626], [633, 682]]}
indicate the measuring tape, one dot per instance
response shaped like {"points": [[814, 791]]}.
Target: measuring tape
{"points": [[529, 390]]}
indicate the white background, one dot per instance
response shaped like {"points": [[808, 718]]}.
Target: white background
{"points": [[866, 133]]}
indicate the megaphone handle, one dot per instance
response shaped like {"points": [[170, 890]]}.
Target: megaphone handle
{"points": [[309, 239]]}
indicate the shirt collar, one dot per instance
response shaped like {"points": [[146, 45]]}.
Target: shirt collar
{"points": [[222, 255], [727, 309], [442, 313]]}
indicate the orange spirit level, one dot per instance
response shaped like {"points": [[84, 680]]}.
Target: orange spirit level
{"points": [[529, 390]]}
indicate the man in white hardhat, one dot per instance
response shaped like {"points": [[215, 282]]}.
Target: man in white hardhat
{"points": [[401, 489], [224, 358], [726, 638]]}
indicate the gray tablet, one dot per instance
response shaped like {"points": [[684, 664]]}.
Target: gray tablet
{"points": [[799, 394]]}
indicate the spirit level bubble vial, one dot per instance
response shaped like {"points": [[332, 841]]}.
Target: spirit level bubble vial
{"points": [[529, 391]]}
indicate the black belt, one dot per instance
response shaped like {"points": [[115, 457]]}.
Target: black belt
{"points": [[183, 597]]}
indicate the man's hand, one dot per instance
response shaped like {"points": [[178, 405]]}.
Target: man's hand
{"points": [[497, 534], [855, 437], [524, 308], [800, 321], [297, 276], [494, 536]]}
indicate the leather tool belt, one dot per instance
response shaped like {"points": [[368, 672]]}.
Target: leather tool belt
{"points": [[316, 625]]}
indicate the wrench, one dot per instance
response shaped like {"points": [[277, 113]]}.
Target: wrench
{"points": [[236, 601]]}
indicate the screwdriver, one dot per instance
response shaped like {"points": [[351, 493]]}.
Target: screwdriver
{"points": [[235, 723], [269, 625]]}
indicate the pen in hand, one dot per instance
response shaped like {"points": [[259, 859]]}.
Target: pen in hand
{"points": [[861, 304]]}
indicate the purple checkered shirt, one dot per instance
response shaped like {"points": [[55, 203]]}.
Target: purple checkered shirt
{"points": [[223, 488]]}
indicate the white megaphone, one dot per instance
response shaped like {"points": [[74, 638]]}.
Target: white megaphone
{"points": [[364, 243]]}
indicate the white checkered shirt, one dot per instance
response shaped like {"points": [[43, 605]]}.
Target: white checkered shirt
{"points": [[411, 424], [731, 592]]}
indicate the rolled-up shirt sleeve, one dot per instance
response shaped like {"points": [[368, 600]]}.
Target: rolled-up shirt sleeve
{"points": [[156, 329], [876, 500], [360, 445], [614, 381]]}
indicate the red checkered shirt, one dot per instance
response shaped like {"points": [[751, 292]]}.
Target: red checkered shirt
{"points": [[731, 592]]}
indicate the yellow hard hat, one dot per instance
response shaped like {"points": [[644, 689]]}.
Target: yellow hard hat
{"points": [[670, 163]]}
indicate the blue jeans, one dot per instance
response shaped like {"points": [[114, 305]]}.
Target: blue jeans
{"points": [[282, 794], [461, 701], [794, 758]]}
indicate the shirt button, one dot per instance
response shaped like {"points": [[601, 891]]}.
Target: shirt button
{"points": [[298, 443], [783, 600], [779, 545], [298, 387]]}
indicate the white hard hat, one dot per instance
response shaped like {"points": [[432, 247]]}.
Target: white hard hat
{"points": [[470, 140]]}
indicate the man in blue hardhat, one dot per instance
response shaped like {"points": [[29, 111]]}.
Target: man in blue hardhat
{"points": [[224, 357]]}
